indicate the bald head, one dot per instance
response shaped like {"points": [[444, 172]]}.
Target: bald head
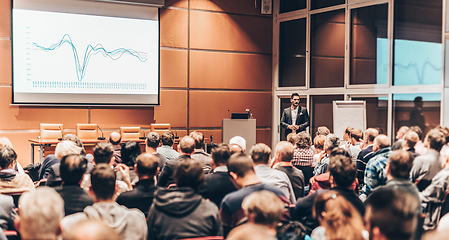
{"points": [[382, 141], [235, 148], [402, 130], [187, 145], [91, 230], [284, 150], [115, 138], [370, 135]]}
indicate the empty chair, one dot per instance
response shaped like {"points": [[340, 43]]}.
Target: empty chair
{"points": [[160, 128], [130, 133], [85, 131], [51, 131]]}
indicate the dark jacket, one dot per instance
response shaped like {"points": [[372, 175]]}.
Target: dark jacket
{"points": [[75, 198], [166, 175], [179, 213], [216, 186], [49, 161], [141, 197], [302, 120], [296, 178]]}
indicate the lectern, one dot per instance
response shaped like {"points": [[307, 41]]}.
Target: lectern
{"points": [[245, 128]]}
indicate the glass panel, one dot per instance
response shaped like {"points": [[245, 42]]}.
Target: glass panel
{"points": [[325, 3], [369, 49], [292, 5], [327, 49], [285, 103], [376, 112], [416, 109], [417, 43], [292, 53], [322, 112]]}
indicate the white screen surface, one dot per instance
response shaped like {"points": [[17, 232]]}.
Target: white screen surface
{"points": [[74, 58]]}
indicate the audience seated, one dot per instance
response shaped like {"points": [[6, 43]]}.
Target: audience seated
{"points": [[332, 141], [240, 141], [141, 197], [356, 143], [72, 169], [250, 231], [116, 140], [179, 212], [186, 147], [323, 130], [366, 153], [318, 143], [303, 155], [40, 215], [199, 153], [375, 174], [291, 138], [338, 218], [400, 134], [283, 156], [241, 169], [7, 212], [91, 230], [234, 148], [5, 142], [260, 154], [129, 223], [129, 152], [391, 215], [11, 181], [409, 142], [346, 141], [153, 142], [166, 149], [218, 183], [420, 149]]}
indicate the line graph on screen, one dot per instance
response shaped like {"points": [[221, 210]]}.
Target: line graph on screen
{"points": [[81, 65]]}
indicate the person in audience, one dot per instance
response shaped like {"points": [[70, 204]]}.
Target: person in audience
{"points": [[303, 155], [338, 218], [291, 138], [179, 212], [40, 215], [318, 143], [425, 167], [129, 223], [366, 154], [445, 131], [283, 156], [399, 138], [251, 231], [199, 153], [185, 148], [141, 197], [129, 153], [409, 142], [420, 148], [260, 154], [391, 215], [346, 142], [341, 177], [116, 139], [166, 149], [7, 212], [241, 169], [240, 141], [434, 195], [62, 149], [72, 169], [12, 181], [323, 130], [5, 142], [91, 230], [218, 184], [264, 208], [332, 141], [153, 141], [375, 174], [356, 144]]}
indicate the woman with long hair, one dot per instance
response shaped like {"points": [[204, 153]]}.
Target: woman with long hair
{"points": [[338, 219]]}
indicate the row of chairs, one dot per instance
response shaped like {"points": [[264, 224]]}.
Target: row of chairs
{"points": [[89, 131]]}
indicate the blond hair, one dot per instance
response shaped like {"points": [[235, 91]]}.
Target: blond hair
{"points": [[65, 148]]}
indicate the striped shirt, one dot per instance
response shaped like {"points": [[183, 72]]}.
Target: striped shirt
{"points": [[302, 157]]}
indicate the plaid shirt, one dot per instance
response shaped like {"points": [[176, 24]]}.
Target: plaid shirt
{"points": [[302, 157], [375, 174]]}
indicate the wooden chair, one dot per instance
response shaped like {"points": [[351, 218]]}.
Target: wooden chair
{"points": [[130, 133], [85, 131], [160, 128], [51, 131]]}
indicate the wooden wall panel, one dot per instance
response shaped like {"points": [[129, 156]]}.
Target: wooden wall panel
{"points": [[5, 18], [22, 147], [173, 68], [173, 108], [230, 70], [264, 136], [208, 108], [229, 6], [230, 32], [116, 118], [216, 133], [5, 61], [173, 28]]}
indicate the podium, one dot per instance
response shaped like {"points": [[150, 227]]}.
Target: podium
{"points": [[245, 128]]}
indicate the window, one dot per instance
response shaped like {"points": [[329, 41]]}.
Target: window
{"points": [[325, 3], [291, 5], [376, 111], [322, 112]]}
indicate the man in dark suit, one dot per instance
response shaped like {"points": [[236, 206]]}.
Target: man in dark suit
{"points": [[141, 197], [218, 183], [72, 170], [295, 118]]}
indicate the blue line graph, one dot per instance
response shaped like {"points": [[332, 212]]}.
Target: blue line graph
{"points": [[415, 67], [81, 66]]}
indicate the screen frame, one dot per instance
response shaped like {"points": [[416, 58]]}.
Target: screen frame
{"points": [[78, 104]]}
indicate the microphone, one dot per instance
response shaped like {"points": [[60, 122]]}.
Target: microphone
{"points": [[176, 135], [102, 134], [229, 113], [62, 134], [143, 135]]}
